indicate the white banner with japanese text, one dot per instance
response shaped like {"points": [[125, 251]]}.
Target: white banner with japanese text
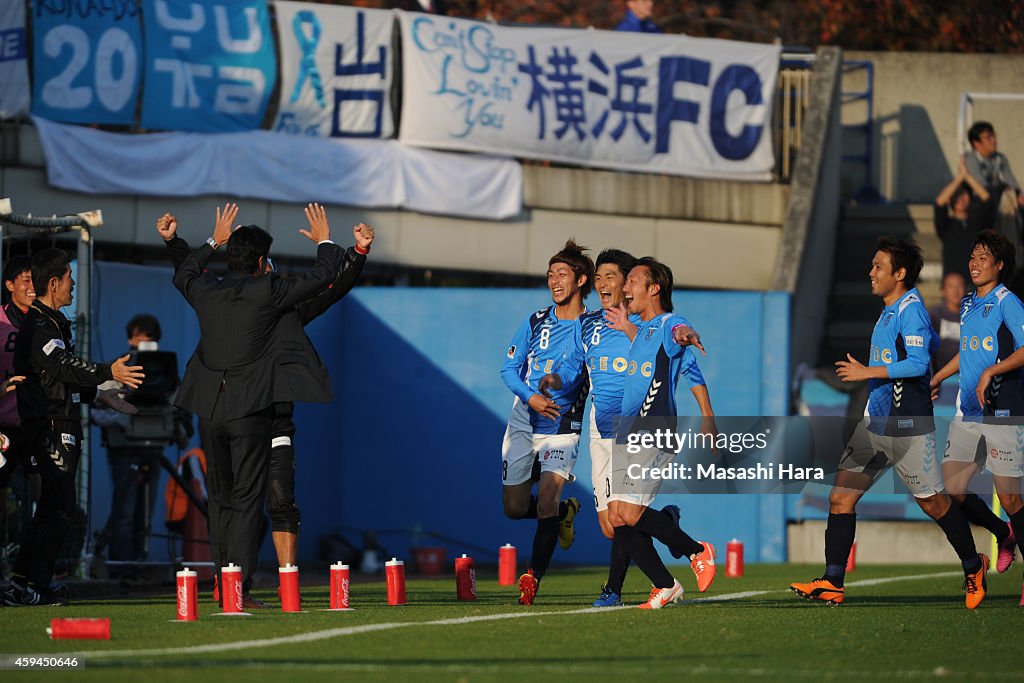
{"points": [[639, 102], [336, 70]]}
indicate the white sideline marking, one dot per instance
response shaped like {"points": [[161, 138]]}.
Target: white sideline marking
{"points": [[911, 577], [314, 636], [729, 596]]}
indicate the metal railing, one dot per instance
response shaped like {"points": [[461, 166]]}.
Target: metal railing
{"points": [[793, 94]]}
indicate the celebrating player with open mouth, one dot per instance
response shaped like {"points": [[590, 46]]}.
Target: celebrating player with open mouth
{"points": [[544, 427], [601, 351], [991, 399], [657, 357]]}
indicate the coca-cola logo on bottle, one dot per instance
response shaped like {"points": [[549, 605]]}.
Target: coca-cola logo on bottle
{"points": [[183, 600]]}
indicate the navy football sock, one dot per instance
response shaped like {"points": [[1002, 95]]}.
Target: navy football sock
{"points": [[544, 542], [839, 535]]}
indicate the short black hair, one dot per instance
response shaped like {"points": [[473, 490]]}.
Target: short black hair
{"points": [[658, 274], [48, 264], [246, 246], [961, 189], [624, 260], [572, 255], [903, 253], [1002, 251], [975, 131], [144, 323], [15, 266]]}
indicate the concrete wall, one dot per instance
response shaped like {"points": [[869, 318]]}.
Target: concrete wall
{"points": [[888, 542], [636, 194], [806, 257], [713, 234], [917, 100]]}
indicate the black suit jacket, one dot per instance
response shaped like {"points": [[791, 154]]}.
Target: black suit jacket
{"points": [[299, 374], [238, 320]]}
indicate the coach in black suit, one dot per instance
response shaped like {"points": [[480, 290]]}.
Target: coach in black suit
{"points": [[299, 375], [228, 382]]}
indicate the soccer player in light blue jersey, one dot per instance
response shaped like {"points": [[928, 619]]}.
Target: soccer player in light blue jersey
{"points": [[600, 351], [657, 358], [898, 427], [987, 433], [545, 426]]}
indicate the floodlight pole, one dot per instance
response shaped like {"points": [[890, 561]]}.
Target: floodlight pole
{"points": [[83, 223]]}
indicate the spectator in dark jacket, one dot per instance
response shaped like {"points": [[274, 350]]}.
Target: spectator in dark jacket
{"points": [[962, 210]]}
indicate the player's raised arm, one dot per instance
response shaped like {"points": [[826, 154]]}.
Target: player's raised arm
{"points": [[618, 319], [684, 335]]}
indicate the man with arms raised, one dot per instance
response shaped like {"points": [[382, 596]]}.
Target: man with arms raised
{"points": [[300, 375], [229, 381]]}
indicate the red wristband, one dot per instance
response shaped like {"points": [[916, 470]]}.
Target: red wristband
{"points": [[362, 251]]}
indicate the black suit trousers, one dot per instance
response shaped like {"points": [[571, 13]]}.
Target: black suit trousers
{"points": [[237, 462]]}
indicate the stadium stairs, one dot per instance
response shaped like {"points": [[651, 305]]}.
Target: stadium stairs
{"points": [[852, 309]]}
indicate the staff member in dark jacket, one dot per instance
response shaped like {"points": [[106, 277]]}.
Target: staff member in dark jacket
{"points": [[299, 375], [49, 400], [227, 383]]}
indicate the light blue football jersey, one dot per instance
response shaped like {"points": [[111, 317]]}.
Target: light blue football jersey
{"points": [[538, 347], [654, 364], [903, 341], [991, 328]]}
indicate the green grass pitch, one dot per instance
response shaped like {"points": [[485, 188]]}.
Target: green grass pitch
{"points": [[908, 628]]}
